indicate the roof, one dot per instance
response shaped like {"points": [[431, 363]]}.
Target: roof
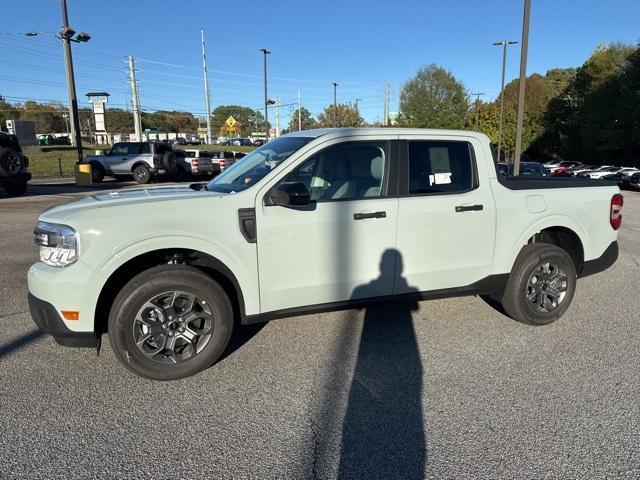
{"points": [[338, 132]]}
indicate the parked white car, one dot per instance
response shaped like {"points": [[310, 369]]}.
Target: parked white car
{"points": [[313, 221], [611, 170]]}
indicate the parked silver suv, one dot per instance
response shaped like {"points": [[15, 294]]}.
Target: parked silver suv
{"points": [[142, 160]]}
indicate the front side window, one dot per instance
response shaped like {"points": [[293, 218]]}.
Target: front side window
{"points": [[256, 165], [440, 167], [344, 172]]}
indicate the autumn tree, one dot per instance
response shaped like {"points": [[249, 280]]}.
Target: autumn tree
{"points": [[341, 115]]}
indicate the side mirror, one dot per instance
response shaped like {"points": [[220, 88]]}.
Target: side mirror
{"points": [[289, 193]]}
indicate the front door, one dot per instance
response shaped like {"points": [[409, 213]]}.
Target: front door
{"points": [[446, 216], [338, 248]]}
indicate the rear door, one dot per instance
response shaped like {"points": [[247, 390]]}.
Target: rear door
{"points": [[446, 216]]}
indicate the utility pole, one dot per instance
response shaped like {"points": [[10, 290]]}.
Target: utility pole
{"points": [[206, 88], [135, 100], [277, 117], [523, 81], [65, 34], [387, 99], [335, 104], [357, 108], [478, 108], [299, 112], [504, 44], [265, 52]]}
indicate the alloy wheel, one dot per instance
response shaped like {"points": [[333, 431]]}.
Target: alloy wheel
{"points": [[547, 287], [173, 327]]}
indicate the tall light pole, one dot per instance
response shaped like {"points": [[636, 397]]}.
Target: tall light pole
{"points": [[266, 98], [504, 44], [358, 100], [335, 104], [66, 35], [206, 87], [523, 80], [299, 111], [478, 108]]}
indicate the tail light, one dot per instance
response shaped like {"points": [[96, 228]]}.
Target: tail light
{"points": [[157, 159], [26, 161], [616, 211], [222, 164], [195, 162]]}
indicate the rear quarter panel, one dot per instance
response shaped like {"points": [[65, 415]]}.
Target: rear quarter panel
{"points": [[523, 213]]}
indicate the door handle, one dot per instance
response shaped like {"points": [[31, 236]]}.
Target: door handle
{"points": [[362, 216], [469, 208]]}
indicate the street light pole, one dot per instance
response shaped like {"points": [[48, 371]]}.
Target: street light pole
{"points": [[206, 88], [335, 104], [478, 108], [266, 98], [504, 44], [65, 34], [523, 79]]}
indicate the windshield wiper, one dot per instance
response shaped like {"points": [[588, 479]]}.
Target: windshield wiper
{"points": [[198, 186]]}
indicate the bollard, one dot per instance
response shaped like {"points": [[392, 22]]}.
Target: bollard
{"points": [[83, 174]]}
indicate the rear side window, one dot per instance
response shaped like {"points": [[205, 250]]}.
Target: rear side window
{"points": [[440, 167], [133, 148]]}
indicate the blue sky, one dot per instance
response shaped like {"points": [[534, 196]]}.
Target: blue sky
{"points": [[358, 44]]}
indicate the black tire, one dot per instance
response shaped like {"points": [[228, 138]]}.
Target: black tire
{"points": [[169, 161], [180, 174], [11, 162], [142, 174], [97, 172], [15, 189], [128, 305], [541, 285]]}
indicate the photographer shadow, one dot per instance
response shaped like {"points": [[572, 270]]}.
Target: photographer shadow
{"points": [[383, 432]]}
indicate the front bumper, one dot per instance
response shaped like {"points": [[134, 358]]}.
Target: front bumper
{"points": [[17, 178], [48, 320]]}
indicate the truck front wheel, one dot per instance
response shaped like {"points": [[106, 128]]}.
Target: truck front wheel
{"points": [[170, 322], [541, 284]]}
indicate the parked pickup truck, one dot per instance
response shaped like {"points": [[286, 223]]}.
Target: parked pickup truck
{"points": [[313, 221], [141, 160]]}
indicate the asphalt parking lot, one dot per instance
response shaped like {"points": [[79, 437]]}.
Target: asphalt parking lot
{"points": [[453, 389]]}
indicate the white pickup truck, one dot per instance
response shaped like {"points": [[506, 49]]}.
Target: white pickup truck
{"points": [[313, 221]]}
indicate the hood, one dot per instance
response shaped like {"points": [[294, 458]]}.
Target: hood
{"points": [[126, 197]]}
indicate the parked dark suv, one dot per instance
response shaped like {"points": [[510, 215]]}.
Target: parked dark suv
{"points": [[13, 166]]}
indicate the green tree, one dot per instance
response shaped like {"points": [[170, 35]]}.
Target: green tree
{"points": [[250, 120], [119, 120], [307, 121], [7, 112], [433, 99], [48, 117], [342, 115]]}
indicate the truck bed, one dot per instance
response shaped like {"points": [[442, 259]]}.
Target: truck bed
{"points": [[537, 183]]}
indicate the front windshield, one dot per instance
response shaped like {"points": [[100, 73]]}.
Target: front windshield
{"points": [[256, 165]]}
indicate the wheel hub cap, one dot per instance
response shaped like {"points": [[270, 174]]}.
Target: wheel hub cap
{"points": [[173, 327], [547, 287]]}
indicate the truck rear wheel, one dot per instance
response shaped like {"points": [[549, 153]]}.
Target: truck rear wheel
{"points": [[541, 284], [142, 174], [170, 322]]}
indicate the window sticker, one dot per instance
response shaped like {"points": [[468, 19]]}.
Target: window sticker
{"points": [[439, 157]]}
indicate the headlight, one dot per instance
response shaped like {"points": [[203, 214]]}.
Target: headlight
{"points": [[58, 244]]}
